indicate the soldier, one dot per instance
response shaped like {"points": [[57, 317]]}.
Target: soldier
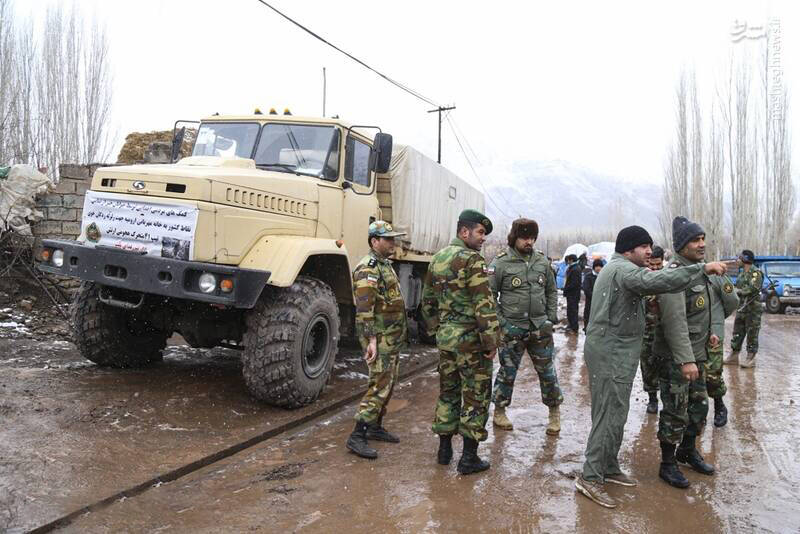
{"points": [[647, 360], [527, 312], [382, 331], [723, 303], [682, 336], [612, 348], [458, 305], [748, 316]]}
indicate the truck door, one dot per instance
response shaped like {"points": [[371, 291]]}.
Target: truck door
{"points": [[360, 205]]}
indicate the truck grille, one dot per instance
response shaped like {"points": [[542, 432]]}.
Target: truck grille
{"points": [[264, 202], [792, 292]]}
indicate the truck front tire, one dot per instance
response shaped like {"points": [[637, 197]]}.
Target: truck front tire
{"points": [[774, 305], [291, 343], [113, 337]]}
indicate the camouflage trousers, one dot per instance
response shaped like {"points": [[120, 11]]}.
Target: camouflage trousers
{"points": [[747, 324], [649, 364], [465, 381], [382, 376], [715, 384], [540, 350], [685, 404]]}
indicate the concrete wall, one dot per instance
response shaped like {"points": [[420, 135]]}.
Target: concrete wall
{"points": [[64, 207]]}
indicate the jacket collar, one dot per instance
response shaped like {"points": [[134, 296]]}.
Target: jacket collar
{"points": [[373, 254]]}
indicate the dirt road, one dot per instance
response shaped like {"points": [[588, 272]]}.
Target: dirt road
{"points": [[77, 433]]}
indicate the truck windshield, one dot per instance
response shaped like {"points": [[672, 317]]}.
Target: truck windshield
{"points": [[226, 139], [783, 270], [300, 149]]}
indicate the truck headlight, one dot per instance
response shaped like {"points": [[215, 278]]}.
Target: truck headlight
{"points": [[786, 288], [58, 257], [207, 283]]}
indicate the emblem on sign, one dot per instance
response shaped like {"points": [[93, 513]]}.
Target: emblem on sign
{"points": [[700, 302], [139, 185], [516, 282], [93, 233]]}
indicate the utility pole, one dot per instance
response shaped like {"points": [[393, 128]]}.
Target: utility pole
{"points": [[439, 111], [324, 90]]}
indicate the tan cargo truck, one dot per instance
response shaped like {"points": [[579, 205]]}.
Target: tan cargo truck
{"points": [[250, 243]]}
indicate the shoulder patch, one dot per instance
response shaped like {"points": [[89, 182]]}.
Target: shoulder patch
{"points": [[372, 262], [728, 287], [504, 253]]}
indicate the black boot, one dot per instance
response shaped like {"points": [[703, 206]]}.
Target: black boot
{"points": [[376, 432], [357, 442], [445, 453], [652, 405], [470, 462], [720, 412], [688, 454], [668, 471]]}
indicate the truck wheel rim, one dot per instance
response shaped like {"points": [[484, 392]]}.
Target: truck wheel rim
{"points": [[316, 345]]}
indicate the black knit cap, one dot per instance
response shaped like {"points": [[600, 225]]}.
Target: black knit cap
{"points": [[747, 256], [683, 231], [631, 237]]}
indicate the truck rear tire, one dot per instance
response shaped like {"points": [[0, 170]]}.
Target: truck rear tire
{"points": [[291, 342], [113, 337]]}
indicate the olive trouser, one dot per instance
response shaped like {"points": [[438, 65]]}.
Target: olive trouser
{"points": [[540, 350], [747, 324], [685, 403], [465, 388], [382, 377]]}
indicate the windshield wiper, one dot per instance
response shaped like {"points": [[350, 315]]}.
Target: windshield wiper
{"points": [[289, 168]]}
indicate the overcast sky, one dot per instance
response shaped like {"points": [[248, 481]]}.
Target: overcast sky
{"points": [[586, 82]]}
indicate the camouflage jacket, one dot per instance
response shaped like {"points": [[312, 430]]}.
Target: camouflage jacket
{"points": [[651, 318], [525, 290], [457, 302], [380, 309], [723, 303], [685, 323], [748, 287]]}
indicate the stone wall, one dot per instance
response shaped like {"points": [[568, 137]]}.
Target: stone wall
{"points": [[63, 208]]}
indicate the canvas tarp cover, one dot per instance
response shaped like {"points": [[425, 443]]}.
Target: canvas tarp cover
{"points": [[426, 199]]}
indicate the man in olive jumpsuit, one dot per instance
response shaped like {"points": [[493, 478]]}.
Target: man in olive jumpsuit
{"points": [[382, 331], [612, 348], [523, 281]]}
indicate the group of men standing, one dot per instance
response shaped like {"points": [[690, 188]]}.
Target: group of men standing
{"points": [[668, 321]]}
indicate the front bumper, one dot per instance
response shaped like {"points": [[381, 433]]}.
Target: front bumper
{"points": [[791, 301], [154, 275]]}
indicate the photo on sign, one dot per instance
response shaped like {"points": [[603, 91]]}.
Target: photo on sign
{"points": [[175, 248]]}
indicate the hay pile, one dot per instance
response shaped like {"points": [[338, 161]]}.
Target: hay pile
{"points": [[137, 145]]}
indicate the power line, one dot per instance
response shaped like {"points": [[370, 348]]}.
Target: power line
{"points": [[385, 77]]}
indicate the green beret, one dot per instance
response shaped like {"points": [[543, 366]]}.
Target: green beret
{"points": [[474, 216]]}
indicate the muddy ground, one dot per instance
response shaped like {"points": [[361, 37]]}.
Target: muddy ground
{"points": [[73, 434]]}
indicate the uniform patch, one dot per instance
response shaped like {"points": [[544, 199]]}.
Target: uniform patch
{"points": [[700, 303], [516, 282], [490, 270], [485, 269], [728, 287], [674, 265], [372, 262], [372, 280], [501, 255], [541, 280]]}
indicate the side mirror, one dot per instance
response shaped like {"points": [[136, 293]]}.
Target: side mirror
{"points": [[177, 141], [380, 157]]}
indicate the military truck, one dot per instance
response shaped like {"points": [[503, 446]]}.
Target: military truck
{"points": [[250, 243]]}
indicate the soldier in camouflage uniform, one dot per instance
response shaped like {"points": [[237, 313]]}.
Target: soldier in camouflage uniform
{"points": [[382, 331], [522, 279], [723, 303], [682, 338], [748, 317], [647, 360], [458, 305]]}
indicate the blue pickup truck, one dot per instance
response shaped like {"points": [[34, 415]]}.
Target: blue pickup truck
{"points": [[781, 281]]}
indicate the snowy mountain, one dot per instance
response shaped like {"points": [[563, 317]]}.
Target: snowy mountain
{"points": [[563, 195]]}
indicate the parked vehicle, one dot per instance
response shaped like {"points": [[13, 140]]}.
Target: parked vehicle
{"points": [[781, 287]]}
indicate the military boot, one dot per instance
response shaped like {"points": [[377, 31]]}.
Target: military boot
{"points": [[732, 358], [376, 432], [750, 361], [720, 412], [652, 405], [688, 454], [470, 462], [357, 442], [501, 420], [554, 421], [445, 452], [668, 471]]}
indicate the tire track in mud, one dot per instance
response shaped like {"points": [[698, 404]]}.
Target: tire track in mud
{"points": [[191, 467]]}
